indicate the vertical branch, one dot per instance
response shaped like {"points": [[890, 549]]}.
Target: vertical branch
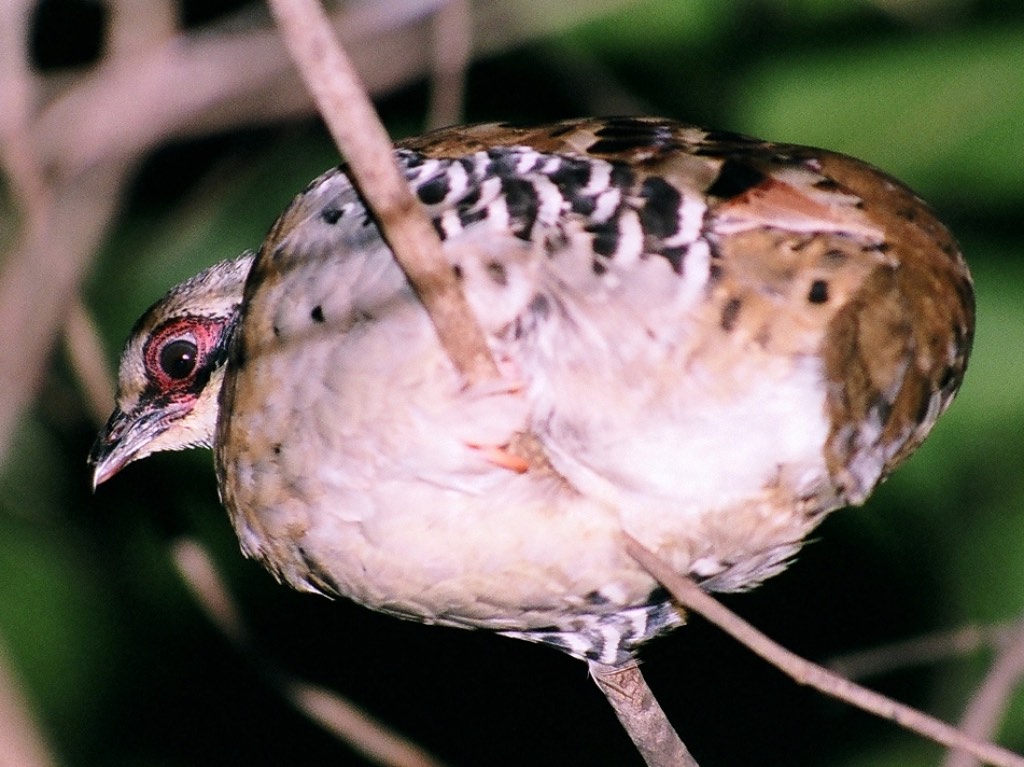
{"points": [[451, 48], [641, 715], [18, 93]]}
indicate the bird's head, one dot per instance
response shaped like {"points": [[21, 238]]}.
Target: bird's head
{"points": [[171, 370]]}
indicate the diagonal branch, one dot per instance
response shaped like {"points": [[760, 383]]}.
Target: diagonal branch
{"points": [[641, 716], [353, 122], [691, 596]]}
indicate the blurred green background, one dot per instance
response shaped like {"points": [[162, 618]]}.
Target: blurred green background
{"points": [[121, 667]]}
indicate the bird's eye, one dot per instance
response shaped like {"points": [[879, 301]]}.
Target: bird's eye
{"points": [[178, 358], [180, 355]]}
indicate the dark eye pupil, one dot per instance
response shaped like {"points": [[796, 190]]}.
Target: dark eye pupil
{"points": [[178, 359]]}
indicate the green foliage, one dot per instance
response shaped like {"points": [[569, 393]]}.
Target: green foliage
{"points": [[943, 110]]}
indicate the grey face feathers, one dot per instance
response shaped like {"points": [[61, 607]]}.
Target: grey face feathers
{"points": [[171, 370]]}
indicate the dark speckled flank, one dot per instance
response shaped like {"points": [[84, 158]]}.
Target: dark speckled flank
{"points": [[730, 313], [818, 293], [623, 135], [433, 191], [735, 178], [605, 240], [522, 201], [330, 215], [660, 212]]}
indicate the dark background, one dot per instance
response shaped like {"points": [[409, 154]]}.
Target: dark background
{"points": [[122, 668]]}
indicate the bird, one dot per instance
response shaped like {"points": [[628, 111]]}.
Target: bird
{"points": [[714, 340]]}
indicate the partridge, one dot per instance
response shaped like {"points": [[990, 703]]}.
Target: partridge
{"points": [[714, 339]]}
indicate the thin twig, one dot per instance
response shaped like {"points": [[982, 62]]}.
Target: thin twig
{"points": [[921, 650], [342, 718], [641, 715], [138, 26], [18, 94], [690, 595], [451, 49], [987, 707], [89, 362], [366, 146]]}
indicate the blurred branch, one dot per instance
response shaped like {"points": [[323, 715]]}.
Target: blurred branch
{"points": [[89, 362], [988, 705], [140, 25], [929, 648], [18, 95], [692, 597], [40, 277], [340, 717], [23, 746], [452, 49]]}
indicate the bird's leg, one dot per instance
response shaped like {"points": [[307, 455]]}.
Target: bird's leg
{"points": [[503, 457], [523, 452]]}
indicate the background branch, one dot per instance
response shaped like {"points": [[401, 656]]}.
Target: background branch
{"points": [[337, 715], [23, 744], [989, 703], [930, 648], [452, 48]]}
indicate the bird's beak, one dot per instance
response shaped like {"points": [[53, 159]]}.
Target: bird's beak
{"points": [[121, 441]]}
